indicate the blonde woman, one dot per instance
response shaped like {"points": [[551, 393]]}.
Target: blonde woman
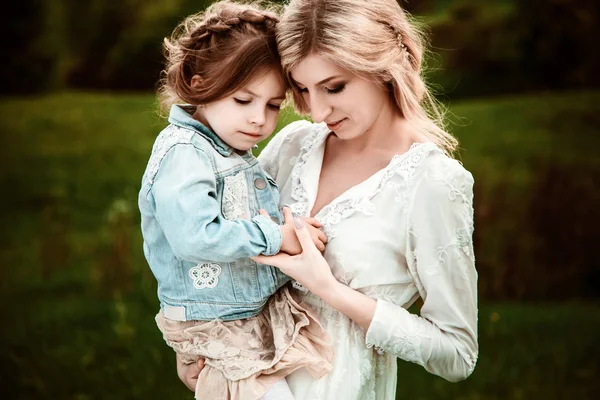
{"points": [[375, 168]]}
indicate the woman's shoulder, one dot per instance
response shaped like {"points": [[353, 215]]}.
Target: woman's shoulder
{"points": [[441, 162], [298, 133], [292, 139], [438, 173]]}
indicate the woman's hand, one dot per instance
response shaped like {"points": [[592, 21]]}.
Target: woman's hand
{"points": [[188, 373], [308, 268], [290, 243]]}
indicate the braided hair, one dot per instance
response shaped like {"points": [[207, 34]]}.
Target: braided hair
{"points": [[226, 46]]}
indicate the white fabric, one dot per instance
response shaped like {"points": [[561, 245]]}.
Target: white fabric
{"points": [[279, 391], [403, 233]]}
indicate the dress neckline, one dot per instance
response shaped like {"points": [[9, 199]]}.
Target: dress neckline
{"points": [[314, 163]]}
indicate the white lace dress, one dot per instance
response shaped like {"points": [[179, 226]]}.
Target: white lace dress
{"points": [[403, 233]]}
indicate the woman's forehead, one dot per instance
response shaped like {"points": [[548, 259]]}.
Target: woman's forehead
{"points": [[315, 69]]}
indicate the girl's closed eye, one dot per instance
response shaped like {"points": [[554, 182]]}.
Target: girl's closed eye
{"points": [[242, 101], [276, 107]]}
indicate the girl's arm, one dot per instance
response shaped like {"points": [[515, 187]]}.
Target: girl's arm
{"points": [[185, 199]]}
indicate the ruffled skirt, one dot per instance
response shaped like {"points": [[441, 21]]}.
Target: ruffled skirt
{"points": [[243, 358]]}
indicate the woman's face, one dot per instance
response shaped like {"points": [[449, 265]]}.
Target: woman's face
{"points": [[349, 104]]}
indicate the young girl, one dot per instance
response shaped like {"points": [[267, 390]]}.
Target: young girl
{"points": [[207, 206]]}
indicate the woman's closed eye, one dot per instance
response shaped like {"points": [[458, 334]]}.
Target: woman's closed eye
{"points": [[337, 89]]}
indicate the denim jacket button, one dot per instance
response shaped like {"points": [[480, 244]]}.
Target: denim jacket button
{"points": [[260, 183]]}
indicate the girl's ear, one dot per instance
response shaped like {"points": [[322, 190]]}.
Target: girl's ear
{"points": [[196, 81]]}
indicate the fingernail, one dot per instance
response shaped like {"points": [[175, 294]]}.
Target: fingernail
{"points": [[299, 224]]}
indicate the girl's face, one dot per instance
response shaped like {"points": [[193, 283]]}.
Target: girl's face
{"points": [[349, 104], [247, 116]]}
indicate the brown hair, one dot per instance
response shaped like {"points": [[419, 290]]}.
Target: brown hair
{"points": [[226, 45]]}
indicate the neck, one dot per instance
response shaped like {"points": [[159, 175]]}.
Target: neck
{"points": [[390, 132]]}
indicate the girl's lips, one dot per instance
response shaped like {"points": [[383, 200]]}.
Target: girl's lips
{"points": [[254, 135]]}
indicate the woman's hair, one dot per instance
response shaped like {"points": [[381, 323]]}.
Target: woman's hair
{"points": [[374, 39], [227, 46]]}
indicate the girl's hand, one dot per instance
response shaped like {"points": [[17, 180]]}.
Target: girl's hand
{"points": [[290, 243], [188, 373], [308, 268]]}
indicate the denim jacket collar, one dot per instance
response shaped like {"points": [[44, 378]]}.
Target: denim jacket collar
{"points": [[180, 115]]}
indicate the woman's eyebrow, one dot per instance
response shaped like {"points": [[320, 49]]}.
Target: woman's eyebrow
{"points": [[320, 82]]}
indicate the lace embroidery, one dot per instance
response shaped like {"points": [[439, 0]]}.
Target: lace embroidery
{"points": [[458, 190], [205, 275], [298, 286], [407, 341], [307, 147], [403, 339], [339, 270], [234, 204], [401, 164], [354, 375], [168, 138], [341, 210]]}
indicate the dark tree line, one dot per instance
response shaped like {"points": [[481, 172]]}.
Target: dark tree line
{"points": [[483, 47]]}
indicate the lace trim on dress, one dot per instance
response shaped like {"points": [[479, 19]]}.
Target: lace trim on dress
{"points": [[401, 164], [403, 339], [170, 137], [307, 147]]}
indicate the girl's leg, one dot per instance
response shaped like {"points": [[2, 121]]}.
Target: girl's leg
{"points": [[279, 391]]}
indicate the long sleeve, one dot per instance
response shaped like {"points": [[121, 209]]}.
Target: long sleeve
{"points": [[439, 254], [185, 196]]}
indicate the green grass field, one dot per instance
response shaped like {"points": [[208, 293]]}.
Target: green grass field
{"points": [[79, 300]]}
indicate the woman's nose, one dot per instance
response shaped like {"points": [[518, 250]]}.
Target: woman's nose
{"points": [[319, 109]]}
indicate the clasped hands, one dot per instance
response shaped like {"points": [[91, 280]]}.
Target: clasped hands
{"points": [[300, 257]]}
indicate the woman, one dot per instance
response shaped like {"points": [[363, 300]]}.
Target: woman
{"points": [[375, 169]]}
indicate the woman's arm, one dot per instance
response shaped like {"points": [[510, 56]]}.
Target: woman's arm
{"points": [[312, 270], [443, 339]]}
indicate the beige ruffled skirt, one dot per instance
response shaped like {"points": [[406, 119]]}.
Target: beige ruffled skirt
{"points": [[243, 358]]}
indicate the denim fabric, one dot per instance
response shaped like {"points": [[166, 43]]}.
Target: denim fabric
{"points": [[199, 205]]}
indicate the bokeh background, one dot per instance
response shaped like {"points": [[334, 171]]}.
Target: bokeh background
{"points": [[78, 118]]}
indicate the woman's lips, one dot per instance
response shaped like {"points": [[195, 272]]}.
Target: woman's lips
{"points": [[336, 125]]}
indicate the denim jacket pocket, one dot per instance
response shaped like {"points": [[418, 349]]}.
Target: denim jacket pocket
{"points": [[225, 283]]}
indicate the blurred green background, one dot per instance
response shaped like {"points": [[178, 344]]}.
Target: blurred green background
{"points": [[78, 119]]}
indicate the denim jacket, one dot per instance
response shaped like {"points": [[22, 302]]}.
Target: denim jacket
{"points": [[199, 205]]}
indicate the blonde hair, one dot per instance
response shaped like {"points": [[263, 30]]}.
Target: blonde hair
{"points": [[226, 45], [374, 39]]}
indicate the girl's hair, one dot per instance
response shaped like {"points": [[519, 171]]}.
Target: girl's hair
{"points": [[374, 39], [227, 46]]}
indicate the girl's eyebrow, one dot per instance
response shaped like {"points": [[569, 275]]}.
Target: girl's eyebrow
{"points": [[255, 95]]}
